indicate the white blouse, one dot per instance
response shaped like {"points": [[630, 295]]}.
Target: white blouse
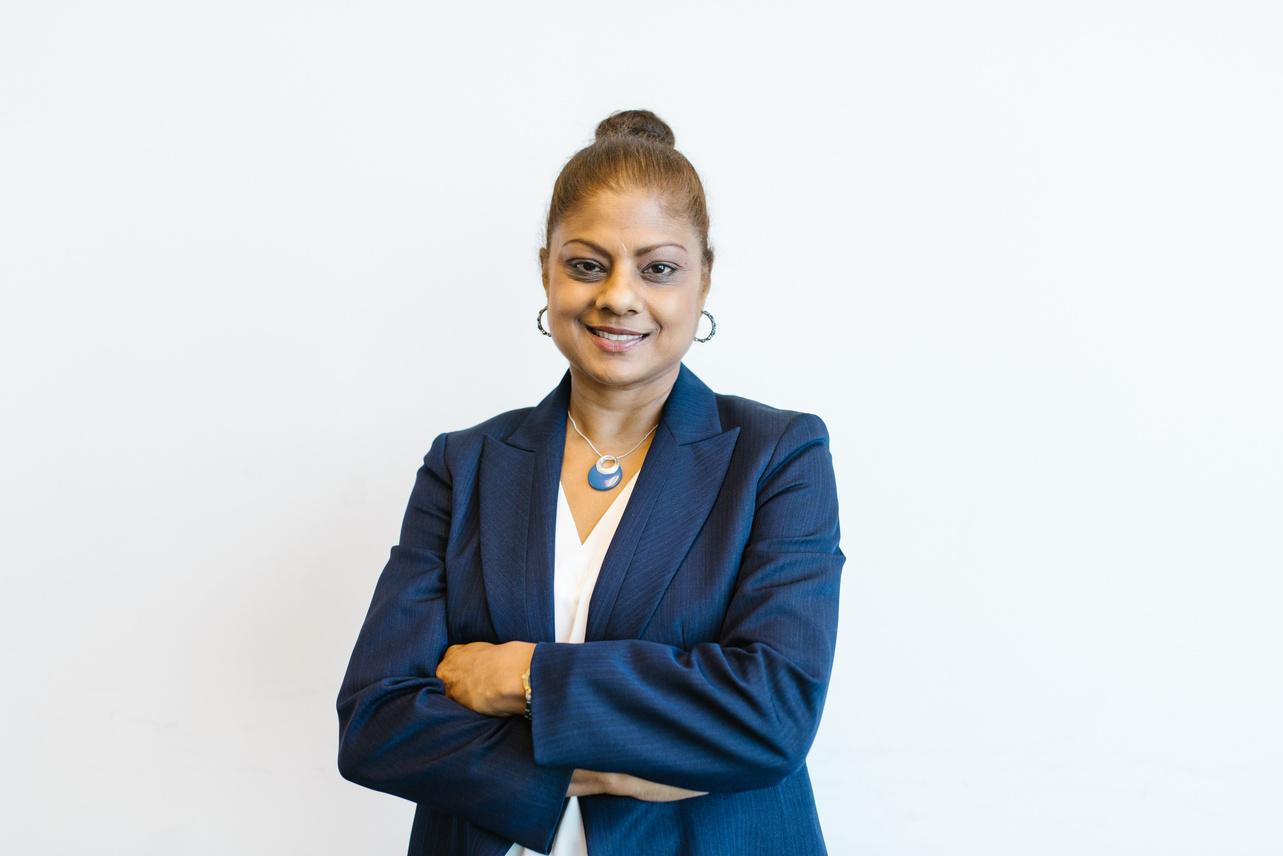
{"points": [[575, 569]]}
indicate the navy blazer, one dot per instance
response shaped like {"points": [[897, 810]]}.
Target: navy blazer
{"points": [[709, 644]]}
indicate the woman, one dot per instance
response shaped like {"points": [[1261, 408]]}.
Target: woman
{"points": [[609, 624]]}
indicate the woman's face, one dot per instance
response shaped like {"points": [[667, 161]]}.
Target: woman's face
{"points": [[625, 287]]}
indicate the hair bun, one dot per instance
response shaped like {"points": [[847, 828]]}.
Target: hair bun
{"points": [[636, 123]]}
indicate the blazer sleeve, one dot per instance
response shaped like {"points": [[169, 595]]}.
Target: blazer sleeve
{"points": [[398, 731], [734, 715]]}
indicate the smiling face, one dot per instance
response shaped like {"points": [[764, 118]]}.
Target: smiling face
{"points": [[625, 284]]}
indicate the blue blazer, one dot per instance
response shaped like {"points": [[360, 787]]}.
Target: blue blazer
{"points": [[707, 655]]}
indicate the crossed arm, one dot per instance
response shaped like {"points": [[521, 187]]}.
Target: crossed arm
{"points": [[436, 724], [486, 679]]}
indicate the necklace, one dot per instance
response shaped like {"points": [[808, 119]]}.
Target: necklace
{"points": [[603, 475]]}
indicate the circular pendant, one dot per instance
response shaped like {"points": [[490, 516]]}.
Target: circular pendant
{"points": [[603, 475]]}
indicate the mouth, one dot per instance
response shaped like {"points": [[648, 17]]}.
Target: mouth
{"points": [[612, 334], [616, 339]]}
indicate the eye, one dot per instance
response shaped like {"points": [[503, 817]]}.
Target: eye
{"points": [[660, 270], [585, 268]]}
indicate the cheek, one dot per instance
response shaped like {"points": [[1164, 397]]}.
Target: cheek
{"points": [[560, 298], [564, 310], [683, 318]]}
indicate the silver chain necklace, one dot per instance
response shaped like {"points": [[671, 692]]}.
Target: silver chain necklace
{"points": [[603, 476]]}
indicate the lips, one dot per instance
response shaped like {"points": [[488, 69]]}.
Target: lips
{"points": [[615, 339]]}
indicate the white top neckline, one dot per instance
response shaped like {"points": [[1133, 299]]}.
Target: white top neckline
{"points": [[576, 564]]}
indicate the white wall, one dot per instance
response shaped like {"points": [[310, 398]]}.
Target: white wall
{"points": [[1023, 257]]}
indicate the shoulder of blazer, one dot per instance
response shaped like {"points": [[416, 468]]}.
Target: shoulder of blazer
{"points": [[525, 428], [774, 434], [753, 416], [460, 451], [467, 441]]}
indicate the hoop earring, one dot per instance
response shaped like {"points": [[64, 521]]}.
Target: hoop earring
{"points": [[712, 332], [539, 322]]}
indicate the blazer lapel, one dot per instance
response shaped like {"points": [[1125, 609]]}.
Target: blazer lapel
{"points": [[518, 484], [675, 492]]}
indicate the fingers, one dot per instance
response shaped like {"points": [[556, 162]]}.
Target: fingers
{"points": [[655, 792], [645, 790], [486, 678]]}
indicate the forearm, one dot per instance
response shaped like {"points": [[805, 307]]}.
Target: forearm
{"points": [[405, 738], [712, 719]]}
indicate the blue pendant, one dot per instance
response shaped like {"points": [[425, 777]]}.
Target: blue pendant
{"points": [[603, 476]]}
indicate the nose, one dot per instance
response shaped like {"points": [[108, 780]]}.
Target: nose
{"points": [[619, 292]]}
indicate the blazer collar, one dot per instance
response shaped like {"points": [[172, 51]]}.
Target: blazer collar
{"points": [[690, 414]]}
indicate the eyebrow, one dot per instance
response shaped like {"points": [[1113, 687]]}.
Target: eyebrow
{"points": [[641, 251]]}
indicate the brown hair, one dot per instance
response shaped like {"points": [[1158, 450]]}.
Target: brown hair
{"points": [[633, 149]]}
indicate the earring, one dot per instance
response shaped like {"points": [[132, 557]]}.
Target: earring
{"points": [[539, 322], [712, 332]]}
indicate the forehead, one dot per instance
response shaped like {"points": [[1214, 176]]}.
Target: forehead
{"points": [[631, 214]]}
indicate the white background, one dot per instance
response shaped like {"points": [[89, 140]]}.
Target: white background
{"points": [[1024, 258]]}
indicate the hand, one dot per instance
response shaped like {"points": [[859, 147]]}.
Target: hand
{"points": [[588, 782], [487, 678]]}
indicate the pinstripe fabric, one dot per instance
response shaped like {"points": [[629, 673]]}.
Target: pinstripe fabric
{"points": [[709, 643]]}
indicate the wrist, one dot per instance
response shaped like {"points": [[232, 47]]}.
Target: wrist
{"points": [[520, 690]]}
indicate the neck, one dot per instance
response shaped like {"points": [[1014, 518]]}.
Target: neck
{"points": [[617, 417]]}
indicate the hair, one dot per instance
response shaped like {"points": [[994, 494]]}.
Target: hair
{"points": [[633, 149]]}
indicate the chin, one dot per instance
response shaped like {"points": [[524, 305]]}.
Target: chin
{"points": [[624, 377], [612, 378]]}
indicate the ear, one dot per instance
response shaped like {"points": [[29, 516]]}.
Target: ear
{"points": [[543, 268]]}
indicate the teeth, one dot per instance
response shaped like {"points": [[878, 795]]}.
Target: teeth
{"points": [[617, 337]]}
